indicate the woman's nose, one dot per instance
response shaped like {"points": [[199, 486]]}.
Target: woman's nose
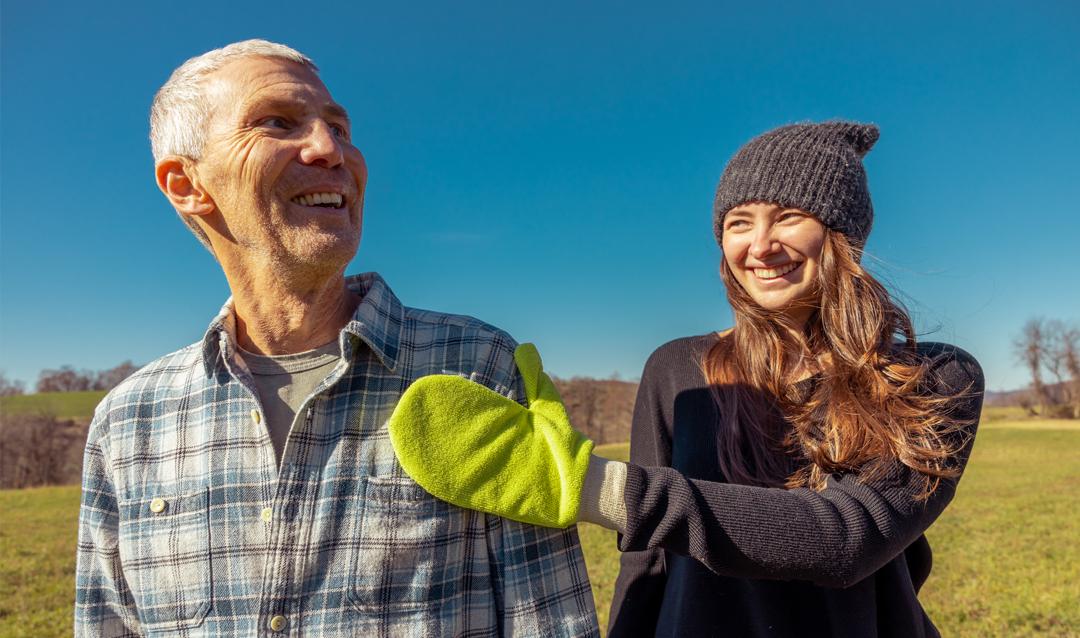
{"points": [[764, 243]]}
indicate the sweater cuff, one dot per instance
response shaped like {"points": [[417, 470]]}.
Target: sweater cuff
{"points": [[635, 482], [602, 500]]}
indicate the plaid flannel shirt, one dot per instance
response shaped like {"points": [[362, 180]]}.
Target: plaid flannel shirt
{"points": [[189, 528]]}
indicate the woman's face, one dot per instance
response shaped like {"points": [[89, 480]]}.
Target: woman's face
{"points": [[775, 254]]}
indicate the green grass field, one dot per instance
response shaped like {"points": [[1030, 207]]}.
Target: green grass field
{"points": [[62, 405], [1006, 557], [38, 529]]}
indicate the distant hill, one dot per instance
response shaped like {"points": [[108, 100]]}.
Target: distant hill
{"points": [[1017, 397], [1002, 399], [78, 406]]}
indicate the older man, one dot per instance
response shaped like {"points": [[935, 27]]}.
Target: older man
{"points": [[246, 485]]}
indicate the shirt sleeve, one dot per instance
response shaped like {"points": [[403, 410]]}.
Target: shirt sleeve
{"points": [[639, 588], [104, 606], [540, 579], [834, 538]]}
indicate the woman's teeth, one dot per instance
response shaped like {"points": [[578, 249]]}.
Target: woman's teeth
{"points": [[329, 200], [773, 273]]}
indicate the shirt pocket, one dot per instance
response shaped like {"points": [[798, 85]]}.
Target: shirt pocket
{"points": [[411, 551], [165, 553]]}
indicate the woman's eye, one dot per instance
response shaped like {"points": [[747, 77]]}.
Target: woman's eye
{"points": [[792, 216], [340, 131], [737, 224]]}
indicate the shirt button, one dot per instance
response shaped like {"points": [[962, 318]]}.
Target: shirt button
{"points": [[256, 417], [267, 514], [277, 623], [157, 505]]}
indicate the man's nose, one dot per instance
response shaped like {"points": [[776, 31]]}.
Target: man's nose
{"points": [[322, 147]]}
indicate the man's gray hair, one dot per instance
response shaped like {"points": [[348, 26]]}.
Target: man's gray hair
{"points": [[181, 110]]}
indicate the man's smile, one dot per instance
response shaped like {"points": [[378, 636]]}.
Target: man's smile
{"points": [[321, 200]]}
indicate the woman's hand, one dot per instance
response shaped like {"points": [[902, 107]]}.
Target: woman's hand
{"points": [[477, 449]]}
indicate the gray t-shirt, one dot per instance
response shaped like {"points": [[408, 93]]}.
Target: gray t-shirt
{"points": [[284, 381]]}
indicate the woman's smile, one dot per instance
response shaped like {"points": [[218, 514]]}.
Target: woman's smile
{"points": [[776, 272]]}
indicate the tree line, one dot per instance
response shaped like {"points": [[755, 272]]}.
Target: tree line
{"points": [[1050, 351], [68, 379]]}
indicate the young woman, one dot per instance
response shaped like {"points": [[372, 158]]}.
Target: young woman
{"points": [[813, 443], [783, 471]]}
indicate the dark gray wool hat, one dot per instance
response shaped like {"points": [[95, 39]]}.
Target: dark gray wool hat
{"points": [[815, 167]]}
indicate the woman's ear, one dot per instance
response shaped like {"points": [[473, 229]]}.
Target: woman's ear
{"points": [[177, 180]]}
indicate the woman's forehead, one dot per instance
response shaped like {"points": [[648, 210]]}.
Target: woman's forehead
{"points": [[751, 208]]}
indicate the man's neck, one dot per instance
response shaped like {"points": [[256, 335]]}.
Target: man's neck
{"points": [[276, 315]]}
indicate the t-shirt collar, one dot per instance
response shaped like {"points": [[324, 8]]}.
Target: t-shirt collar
{"points": [[377, 321]]}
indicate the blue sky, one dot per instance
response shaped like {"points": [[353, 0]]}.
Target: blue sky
{"points": [[549, 167]]}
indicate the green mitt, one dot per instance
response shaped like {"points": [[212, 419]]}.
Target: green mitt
{"points": [[477, 449]]}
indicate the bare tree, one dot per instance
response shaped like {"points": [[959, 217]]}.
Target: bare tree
{"points": [[109, 379], [1071, 353], [66, 379], [590, 408], [582, 397], [1061, 359], [33, 451], [1030, 348], [10, 387]]}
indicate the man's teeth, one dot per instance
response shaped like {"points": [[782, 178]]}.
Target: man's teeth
{"points": [[316, 199], [773, 273]]}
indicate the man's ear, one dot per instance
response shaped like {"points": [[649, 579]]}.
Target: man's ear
{"points": [[177, 180]]}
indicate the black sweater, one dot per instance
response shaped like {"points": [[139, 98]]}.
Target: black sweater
{"points": [[703, 557]]}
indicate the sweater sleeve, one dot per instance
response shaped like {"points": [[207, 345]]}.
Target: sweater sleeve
{"points": [[834, 538], [639, 588]]}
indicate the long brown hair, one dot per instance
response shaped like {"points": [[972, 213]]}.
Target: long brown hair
{"points": [[869, 406]]}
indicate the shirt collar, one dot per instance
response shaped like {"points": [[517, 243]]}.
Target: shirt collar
{"points": [[378, 322], [379, 319]]}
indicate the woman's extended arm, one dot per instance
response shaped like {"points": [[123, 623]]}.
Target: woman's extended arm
{"points": [[834, 537]]}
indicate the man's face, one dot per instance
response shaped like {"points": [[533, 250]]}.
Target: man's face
{"points": [[279, 165]]}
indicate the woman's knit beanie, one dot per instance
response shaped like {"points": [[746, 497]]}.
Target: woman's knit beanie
{"points": [[814, 167]]}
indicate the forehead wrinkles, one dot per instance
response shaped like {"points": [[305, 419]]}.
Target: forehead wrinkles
{"points": [[230, 94]]}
